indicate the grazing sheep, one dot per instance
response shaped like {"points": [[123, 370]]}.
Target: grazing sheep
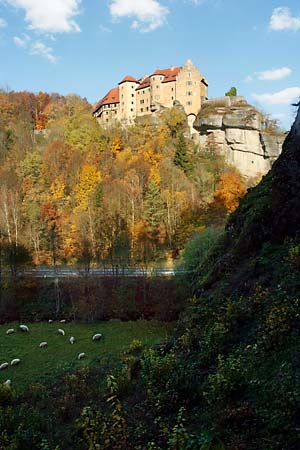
{"points": [[7, 383], [10, 331], [43, 344], [4, 366], [50, 321], [97, 337], [60, 331], [15, 362], [24, 328], [72, 340], [81, 355], [63, 321]]}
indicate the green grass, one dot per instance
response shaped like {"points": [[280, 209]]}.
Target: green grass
{"points": [[44, 365]]}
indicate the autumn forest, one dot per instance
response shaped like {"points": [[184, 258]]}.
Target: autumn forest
{"points": [[74, 193]]}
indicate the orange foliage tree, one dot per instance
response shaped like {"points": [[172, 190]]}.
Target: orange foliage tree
{"points": [[230, 189]]}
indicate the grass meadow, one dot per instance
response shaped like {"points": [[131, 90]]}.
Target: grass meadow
{"points": [[42, 365]]}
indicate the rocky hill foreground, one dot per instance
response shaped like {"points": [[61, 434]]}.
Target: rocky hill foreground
{"points": [[231, 379]]}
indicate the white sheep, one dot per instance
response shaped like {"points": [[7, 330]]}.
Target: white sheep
{"points": [[63, 321], [43, 344], [60, 331], [4, 366], [15, 362], [50, 321], [24, 328], [10, 331], [81, 355], [97, 337], [7, 383], [72, 340]]}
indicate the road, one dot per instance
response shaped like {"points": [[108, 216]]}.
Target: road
{"points": [[71, 272]]}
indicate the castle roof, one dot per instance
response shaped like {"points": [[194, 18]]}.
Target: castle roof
{"points": [[129, 78], [144, 84], [170, 72], [112, 96]]}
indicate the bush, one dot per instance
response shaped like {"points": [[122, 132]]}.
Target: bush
{"points": [[198, 248]]}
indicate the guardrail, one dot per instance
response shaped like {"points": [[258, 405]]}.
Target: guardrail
{"points": [[66, 272]]}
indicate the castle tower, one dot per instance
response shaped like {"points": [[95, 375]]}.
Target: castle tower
{"points": [[191, 89], [127, 97]]}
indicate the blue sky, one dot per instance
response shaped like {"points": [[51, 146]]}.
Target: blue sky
{"points": [[87, 46]]}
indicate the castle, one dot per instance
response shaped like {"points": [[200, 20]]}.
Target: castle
{"points": [[139, 97]]}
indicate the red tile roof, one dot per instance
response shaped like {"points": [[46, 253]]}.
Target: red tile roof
{"points": [[170, 72], [129, 78], [144, 84], [111, 97]]}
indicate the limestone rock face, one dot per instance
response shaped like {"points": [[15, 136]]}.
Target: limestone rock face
{"points": [[272, 144], [210, 122], [235, 128]]}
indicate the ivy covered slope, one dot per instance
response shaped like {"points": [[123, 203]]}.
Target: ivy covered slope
{"points": [[240, 338]]}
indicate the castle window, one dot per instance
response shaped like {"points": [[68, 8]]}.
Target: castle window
{"points": [[172, 98], [132, 95], [142, 102], [106, 112], [189, 103], [189, 93], [147, 109], [157, 86], [189, 83], [132, 103], [142, 109], [131, 109], [172, 89]]}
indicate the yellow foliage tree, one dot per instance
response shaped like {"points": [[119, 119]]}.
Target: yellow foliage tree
{"points": [[230, 189], [57, 189], [117, 145], [89, 178]]}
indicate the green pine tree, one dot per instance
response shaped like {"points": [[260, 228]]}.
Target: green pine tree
{"points": [[153, 206], [232, 92], [181, 159]]}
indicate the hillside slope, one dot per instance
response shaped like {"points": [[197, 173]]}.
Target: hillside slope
{"points": [[235, 366]]}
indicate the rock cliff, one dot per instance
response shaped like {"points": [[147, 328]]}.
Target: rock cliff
{"points": [[235, 128]]}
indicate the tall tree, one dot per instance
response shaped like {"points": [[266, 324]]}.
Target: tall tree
{"points": [[181, 158]]}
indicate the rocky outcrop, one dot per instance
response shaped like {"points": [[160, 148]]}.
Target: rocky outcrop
{"points": [[235, 128]]}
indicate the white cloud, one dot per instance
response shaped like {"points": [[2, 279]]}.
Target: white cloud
{"points": [[21, 41], [3, 23], [269, 75], [284, 97], [38, 48], [147, 14], [274, 74], [282, 19], [248, 79], [104, 29], [53, 16]]}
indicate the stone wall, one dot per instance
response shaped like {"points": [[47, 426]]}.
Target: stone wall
{"points": [[234, 127]]}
